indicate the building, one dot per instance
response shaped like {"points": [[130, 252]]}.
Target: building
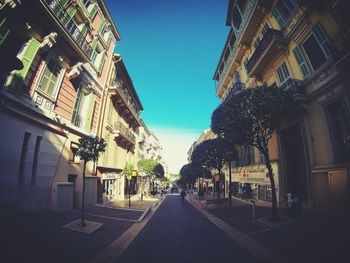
{"points": [[53, 99], [120, 127], [302, 46]]}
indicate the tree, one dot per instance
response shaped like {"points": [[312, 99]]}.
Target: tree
{"points": [[212, 154], [89, 150], [191, 171], [252, 117], [148, 166]]}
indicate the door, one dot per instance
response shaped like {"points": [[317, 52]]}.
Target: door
{"points": [[294, 161]]}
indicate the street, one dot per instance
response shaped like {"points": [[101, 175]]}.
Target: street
{"points": [[179, 233]]}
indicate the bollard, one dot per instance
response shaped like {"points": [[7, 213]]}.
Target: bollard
{"points": [[253, 211]]}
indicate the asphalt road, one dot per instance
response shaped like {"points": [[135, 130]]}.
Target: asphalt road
{"points": [[177, 232]]}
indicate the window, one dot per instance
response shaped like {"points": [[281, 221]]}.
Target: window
{"points": [[261, 35], [86, 3], [23, 158], [338, 114], [340, 10], [50, 77], [73, 151], [283, 9], [246, 155], [237, 17], [83, 108], [35, 160], [283, 73], [314, 51]]}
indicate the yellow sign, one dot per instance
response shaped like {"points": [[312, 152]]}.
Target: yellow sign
{"points": [[128, 177], [134, 173]]}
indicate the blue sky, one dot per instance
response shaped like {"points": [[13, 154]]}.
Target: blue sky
{"points": [[171, 49]]}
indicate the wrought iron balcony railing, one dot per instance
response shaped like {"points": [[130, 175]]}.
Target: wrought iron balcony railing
{"points": [[236, 87], [123, 131], [126, 97], [295, 86], [69, 25]]}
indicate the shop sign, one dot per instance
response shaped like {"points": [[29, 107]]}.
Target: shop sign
{"points": [[109, 176]]}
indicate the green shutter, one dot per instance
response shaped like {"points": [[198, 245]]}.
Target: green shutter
{"points": [[63, 2], [76, 118], [71, 11], [4, 31], [49, 78], [301, 59], [94, 44], [102, 25], [322, 38], [89, 113], [93, 8], [83, 29], [16, 78], [102, 62]]}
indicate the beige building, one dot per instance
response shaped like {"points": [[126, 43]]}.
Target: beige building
{"points": [[120, 128], [302, 46]]}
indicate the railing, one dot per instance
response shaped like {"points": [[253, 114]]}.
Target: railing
{"points": [[237, 86], [294, 86], [118, 126], [270, 34], [123, 93], [226, 69], [70, 26], [238, 31]]}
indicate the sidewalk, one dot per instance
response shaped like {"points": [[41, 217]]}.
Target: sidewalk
{"points": [[135, 201], [39, 236], [315, 237]]}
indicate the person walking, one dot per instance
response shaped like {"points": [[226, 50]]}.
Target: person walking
{"points": [[183, 194]]}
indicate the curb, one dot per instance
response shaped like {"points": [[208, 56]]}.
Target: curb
{"points": [[144, 214], [113, 251], [261, 252]]}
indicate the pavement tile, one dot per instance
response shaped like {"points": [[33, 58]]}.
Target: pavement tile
{"points": [[39, 237]]}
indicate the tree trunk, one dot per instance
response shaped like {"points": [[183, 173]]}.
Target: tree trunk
{"points": [[229, 184], [273, 188], [83, 199], [218, 186]]}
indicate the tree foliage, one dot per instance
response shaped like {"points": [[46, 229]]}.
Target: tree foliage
{"points": [[252, 117], [159, 171], [147, 166], [191, 171], [213, 153], [90, 148], [129, 168]]}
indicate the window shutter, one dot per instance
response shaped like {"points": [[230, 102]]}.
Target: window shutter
{"points": [[102, 61], [27, 58], [76, 118], [93, 8], [4, 31], [278, 17], [102, 25], [89, 117], [301, 59], [71, 11], [49, 78], [322, 38]]}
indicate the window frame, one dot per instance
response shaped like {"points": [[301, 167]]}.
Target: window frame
{"points": [[58, 83]]}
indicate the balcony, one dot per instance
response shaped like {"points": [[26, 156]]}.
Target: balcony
{"points": [[123, 135], [268, 50], [69, 25], [296, 87], [251, 20], [124, 101], [236, 87]]}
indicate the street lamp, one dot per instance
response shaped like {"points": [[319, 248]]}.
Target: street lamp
{"points": [[142, 174]]}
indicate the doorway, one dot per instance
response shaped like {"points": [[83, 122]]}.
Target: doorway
{"points": [[294, 161]]}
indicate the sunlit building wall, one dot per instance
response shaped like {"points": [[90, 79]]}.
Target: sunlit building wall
{"points": [[302, 46]]}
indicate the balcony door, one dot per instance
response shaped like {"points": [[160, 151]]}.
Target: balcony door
{"points": [[294, 161]]}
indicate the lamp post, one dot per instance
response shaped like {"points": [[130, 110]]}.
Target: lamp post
{"points": [[142, 175]]}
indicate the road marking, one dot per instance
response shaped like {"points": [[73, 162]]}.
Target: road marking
{"points": [[257, 249], [108, 217]]}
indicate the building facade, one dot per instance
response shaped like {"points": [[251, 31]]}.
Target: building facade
{"points": [[54, 99], [302, 46], [120, 129]]}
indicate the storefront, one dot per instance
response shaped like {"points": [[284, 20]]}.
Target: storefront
{"points": [[111, 184], [252, 182]]}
